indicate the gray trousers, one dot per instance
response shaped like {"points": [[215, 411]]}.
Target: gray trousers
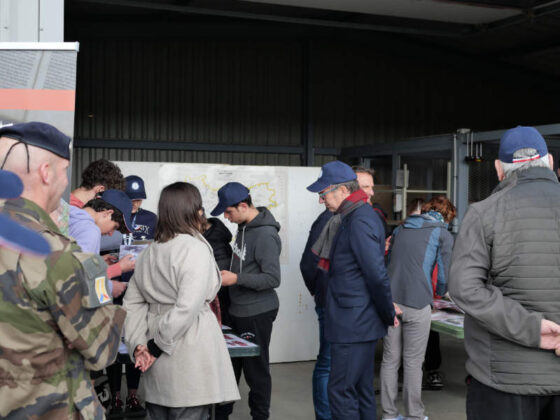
{"points": [[408, 342], [160, 412]]}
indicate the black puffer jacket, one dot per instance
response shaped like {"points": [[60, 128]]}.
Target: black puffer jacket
{"points": [[219, 238]]}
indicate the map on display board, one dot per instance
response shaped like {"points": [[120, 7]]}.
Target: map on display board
{"points": [[283, 191], [267, 186]]}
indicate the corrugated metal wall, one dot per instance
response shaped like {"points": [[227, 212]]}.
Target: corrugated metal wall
{"points": [[251, 92], [199, 91], [365, 94]]}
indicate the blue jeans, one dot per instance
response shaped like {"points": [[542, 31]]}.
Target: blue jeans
{"points": [[321, 372]]}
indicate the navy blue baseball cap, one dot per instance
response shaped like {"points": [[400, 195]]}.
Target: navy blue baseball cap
{"points": [[521, 138], [135, 187], [229, 195], [335, 172], [10, 185], [41, 135], [121, 201]]}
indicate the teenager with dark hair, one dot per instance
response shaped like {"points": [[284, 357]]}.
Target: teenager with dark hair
{"points": [[170, 330], [253, 274], [103, 217], [99, 176]]}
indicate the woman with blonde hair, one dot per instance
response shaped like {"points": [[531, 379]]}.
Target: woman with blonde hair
{"points": [[170, 329], [417, 245]]}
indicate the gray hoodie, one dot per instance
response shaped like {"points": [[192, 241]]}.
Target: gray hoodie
{"points": [[256, 260]]}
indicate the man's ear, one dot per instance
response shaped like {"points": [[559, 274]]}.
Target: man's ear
{"points": [[551, 161], [99, 189], [499, 169], [44, 171], [108, 213]]}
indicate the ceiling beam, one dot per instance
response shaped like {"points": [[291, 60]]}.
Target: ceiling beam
{"points": [[529, 15], [400, 25], [197, 147], [510, 4]]}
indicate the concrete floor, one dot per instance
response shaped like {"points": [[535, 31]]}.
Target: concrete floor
{"points": [[292, 397]]}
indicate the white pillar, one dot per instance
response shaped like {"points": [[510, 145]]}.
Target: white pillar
{"points": [[51, 20], [31, 20]]}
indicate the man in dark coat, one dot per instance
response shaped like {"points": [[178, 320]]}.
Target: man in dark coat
{"points": [[359, 306], [316, 282]]}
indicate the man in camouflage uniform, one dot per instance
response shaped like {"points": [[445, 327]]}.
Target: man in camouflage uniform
{"points": [[56, 317]]}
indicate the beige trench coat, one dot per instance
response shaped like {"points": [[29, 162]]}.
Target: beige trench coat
{"points": [[168, 300]]}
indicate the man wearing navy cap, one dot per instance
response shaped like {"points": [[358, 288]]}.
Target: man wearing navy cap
{"points": [[359, 306], [505, 275], [253, 275], [100, 216], [56, 317], [316, 281], [143, 221]]}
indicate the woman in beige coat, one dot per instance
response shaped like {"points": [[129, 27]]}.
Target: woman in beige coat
{"points": [[169, 328]]}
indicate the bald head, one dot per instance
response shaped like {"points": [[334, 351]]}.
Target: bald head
{"points": [[42, 172]]}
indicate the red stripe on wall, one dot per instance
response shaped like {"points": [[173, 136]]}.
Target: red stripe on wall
{"points": [[38, 99]]}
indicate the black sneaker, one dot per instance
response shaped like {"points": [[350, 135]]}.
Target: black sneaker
{"points": [[116, 409], [134, 408], [433, 381]]}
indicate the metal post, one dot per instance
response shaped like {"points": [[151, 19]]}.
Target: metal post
{"points": [[461, 192], [448, 193], [395, 166], [404, 190], [430, 177]]}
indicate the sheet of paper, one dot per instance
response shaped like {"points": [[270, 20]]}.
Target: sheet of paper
{"points": [[233, 341], [135, 250]]}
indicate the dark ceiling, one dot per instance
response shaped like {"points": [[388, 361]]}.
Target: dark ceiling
{"points": [[528, 39]]}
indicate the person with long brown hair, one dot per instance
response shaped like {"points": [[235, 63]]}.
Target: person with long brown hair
{"points": [[171, 331], [417, 245]]}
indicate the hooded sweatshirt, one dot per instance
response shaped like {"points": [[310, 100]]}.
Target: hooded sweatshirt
{"points": [[256, 260], [83, 229], [420, 243]]}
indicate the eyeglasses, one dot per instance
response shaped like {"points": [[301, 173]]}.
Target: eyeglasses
{"points": [[331, 189]]}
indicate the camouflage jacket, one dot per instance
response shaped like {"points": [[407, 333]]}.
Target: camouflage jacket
{"points": [[54, 328]]}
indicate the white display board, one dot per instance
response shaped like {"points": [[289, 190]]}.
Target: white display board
{"points": [[295, 334]]}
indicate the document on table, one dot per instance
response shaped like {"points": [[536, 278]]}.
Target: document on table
{"points": [[449, 318], [447, 305], [235, 342]]}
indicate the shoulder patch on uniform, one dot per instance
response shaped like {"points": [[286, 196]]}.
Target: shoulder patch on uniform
{"points": [[100, 290]]}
